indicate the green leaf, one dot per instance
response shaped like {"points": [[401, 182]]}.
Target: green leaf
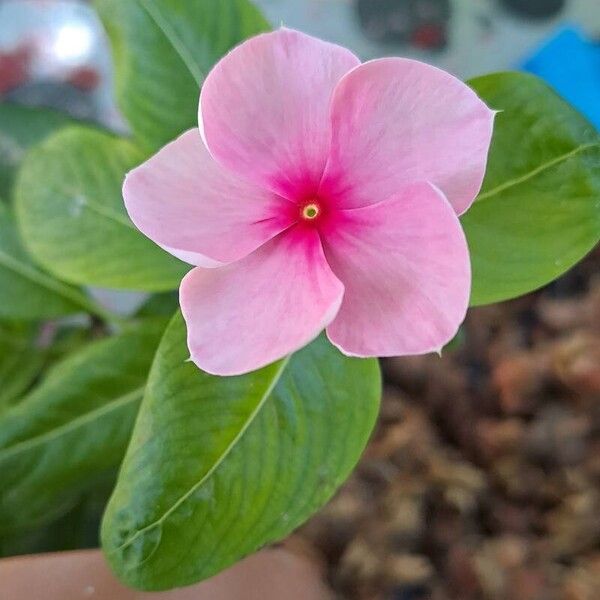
{"points": [[539, 210], [72, 217], [27, 349], [25, 291], [163, 49], [20, 128], [220, 466], [21, 361], [159, 305], [77, 528], [73, 427]]}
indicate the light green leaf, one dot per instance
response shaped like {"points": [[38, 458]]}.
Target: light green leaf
{"points": [[72, 218], [163, 49], [220, 466], [20, 128], [73, 427], [26, 292], [539, 210]]}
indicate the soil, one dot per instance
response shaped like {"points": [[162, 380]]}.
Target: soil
{"points": [[482, 479]]}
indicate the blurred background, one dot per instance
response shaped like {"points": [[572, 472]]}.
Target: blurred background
{"points": [[483, 479], [53, 52]]}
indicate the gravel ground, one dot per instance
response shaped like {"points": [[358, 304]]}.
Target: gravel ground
{"points": [[482, 480]]}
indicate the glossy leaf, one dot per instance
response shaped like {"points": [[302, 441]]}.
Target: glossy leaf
{"points": [[73, 427], [539, 210], [20, 128], [26, 292], [220, 466], [163, 49], [72, 217]]}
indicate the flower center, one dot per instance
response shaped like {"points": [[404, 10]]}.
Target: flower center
{"points": [[311, 211]]}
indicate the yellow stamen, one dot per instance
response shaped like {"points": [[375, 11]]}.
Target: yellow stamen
{"points": [[310, 211]]}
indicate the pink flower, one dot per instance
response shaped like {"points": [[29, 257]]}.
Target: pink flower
{"points": [[319, 193]]}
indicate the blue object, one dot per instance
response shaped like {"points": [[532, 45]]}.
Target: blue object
{"points": [[570, 63]]}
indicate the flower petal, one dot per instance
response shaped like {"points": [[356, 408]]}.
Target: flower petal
{"points": [[405, 267], [183, 200], [264, 109], [248, 314], [396, 121]]}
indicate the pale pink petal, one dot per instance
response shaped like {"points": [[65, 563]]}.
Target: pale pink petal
{"points": [[188, 204], [250, 313], [193, 258], [264, 109], [405, 267], [396, 121]]}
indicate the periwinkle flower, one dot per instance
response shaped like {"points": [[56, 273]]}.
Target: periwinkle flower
{"points": [[318, 193]]}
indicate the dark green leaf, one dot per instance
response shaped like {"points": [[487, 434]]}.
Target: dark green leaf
{"points": [[539, 211], [220, 466], [159, 305], [72, 427], [77, 528], [20, 128], [163, 49], [72, 218], [27, 349], [21, 360]]}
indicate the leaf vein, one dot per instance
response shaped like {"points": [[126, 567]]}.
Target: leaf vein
{"points": [[71, 425], [178, 44], [218, 462], [534, 172], [40, 279]]}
